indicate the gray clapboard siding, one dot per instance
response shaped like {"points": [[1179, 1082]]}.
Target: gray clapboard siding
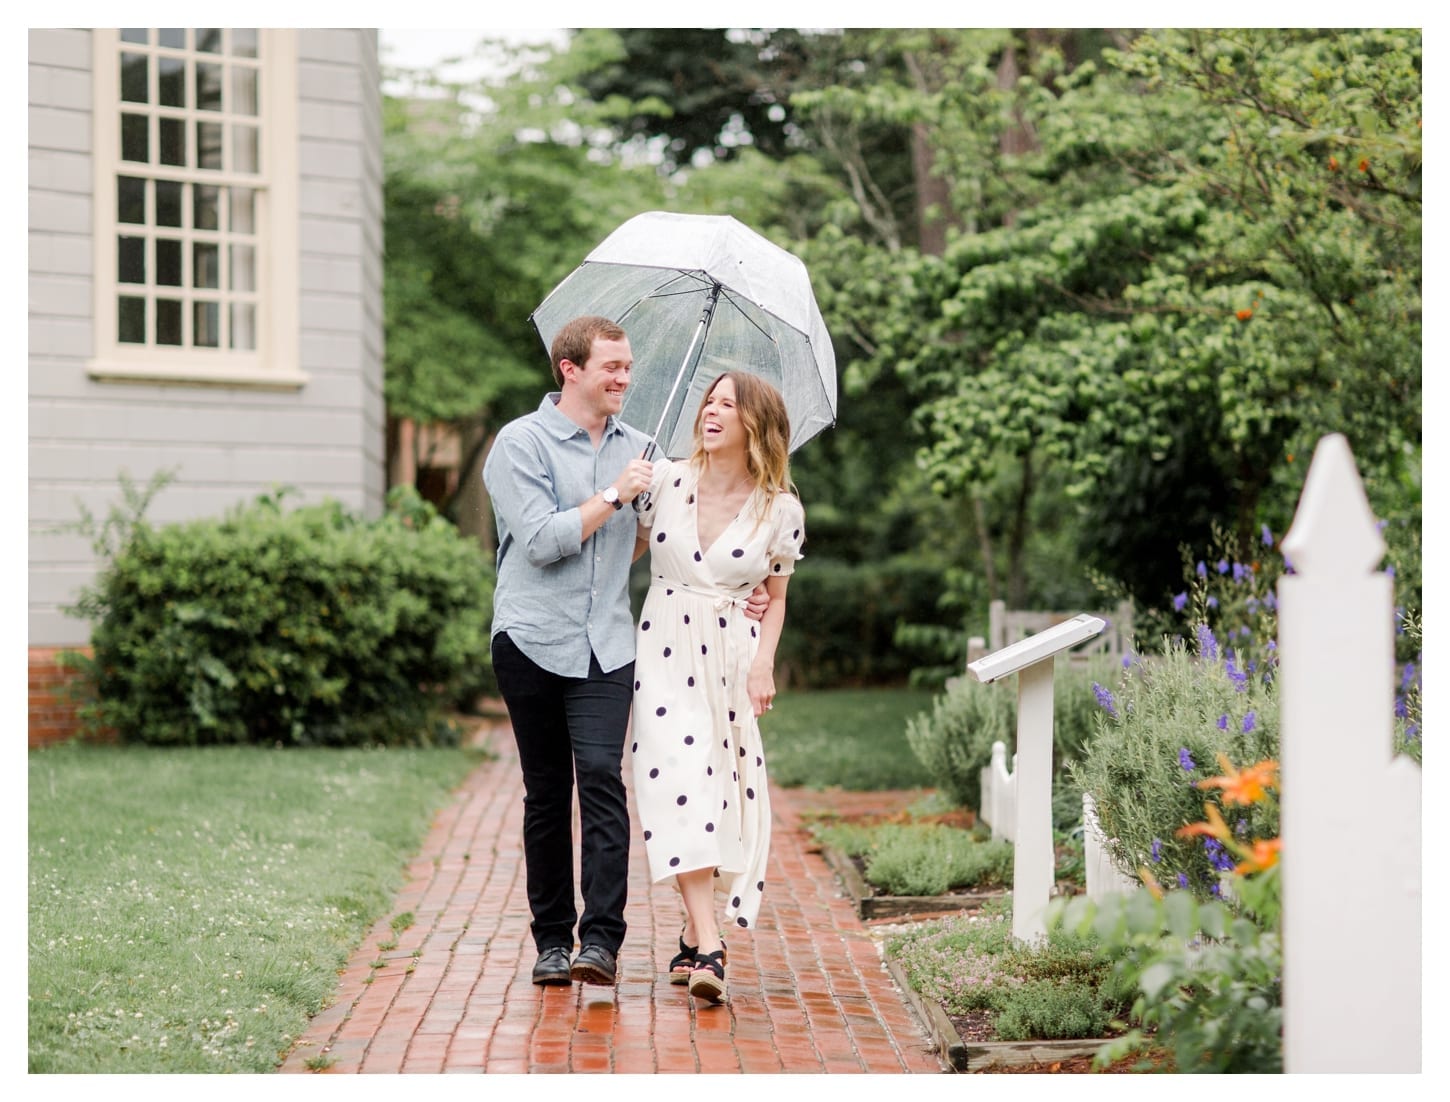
{"points": [[226, 443]]}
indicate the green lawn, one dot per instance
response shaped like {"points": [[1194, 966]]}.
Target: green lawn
{"points": [[190, 908], [854, 738]]}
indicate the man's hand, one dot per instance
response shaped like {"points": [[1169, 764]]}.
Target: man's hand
{"points": [[757, 602], [634, 479]]}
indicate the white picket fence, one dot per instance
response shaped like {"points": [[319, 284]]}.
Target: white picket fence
{"points": [[999, 811], [1350, 823]]}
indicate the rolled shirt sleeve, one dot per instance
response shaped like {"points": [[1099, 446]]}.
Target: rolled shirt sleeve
{"points": [[525, 500]]}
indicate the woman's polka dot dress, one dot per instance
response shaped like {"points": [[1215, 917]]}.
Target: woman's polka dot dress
{"points": [[699, 766]]}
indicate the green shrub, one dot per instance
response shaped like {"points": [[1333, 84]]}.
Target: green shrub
{"points": [[1160, 731], [1050, 1010], [842, 621], [1064, 986], [301, 627], [929, 859], [1204, 982], [954, 740]]}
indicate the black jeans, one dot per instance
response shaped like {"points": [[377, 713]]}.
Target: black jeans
{"points": [[568, 728]]}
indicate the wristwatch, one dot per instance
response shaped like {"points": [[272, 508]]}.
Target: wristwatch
{"points": [[611, 495]]}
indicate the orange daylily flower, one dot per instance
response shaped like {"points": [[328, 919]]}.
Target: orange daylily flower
{"points": [[1364, 164], [1243, 315], [1263, 855], [1333, 164], [1243, 786], [1214, 828], [1150, 882]]}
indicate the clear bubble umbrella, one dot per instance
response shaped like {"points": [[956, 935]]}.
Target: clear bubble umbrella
{"points": [[699, 295]]}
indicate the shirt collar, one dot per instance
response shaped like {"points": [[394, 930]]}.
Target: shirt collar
{"points": [[564, 428]]}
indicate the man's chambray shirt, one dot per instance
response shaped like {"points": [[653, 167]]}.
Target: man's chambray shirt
{"points": [[558, 597]]}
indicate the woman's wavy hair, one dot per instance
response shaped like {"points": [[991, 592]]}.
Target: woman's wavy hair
{"points": [[767, 435]]}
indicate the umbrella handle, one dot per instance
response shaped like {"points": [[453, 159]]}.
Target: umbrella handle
{"points": [[641, 501]]}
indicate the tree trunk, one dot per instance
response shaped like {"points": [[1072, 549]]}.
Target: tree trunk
{"points": [[933, 194], [984, 542], [470, 507], [1017, 539], [933, 200], [402, 452]]}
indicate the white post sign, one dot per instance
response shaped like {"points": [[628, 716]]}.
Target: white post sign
{"points": [[1031, 660]]}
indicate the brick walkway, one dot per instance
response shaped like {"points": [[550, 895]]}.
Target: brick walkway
{"points": [[808, 992]]}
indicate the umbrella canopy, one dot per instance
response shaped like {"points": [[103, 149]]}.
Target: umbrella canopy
{"points": [[699, 295]]}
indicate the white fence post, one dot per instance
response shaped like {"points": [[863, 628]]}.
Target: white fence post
{"points": [[1350, 810], [1032, 660], [1103, 877], [999, 794]]}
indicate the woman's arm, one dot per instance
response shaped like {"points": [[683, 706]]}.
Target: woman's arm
{"points": [[760, 682]]}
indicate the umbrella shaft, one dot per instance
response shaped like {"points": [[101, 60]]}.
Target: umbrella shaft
{"points": [[695, 342]]}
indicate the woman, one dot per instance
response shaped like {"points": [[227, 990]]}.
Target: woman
{"points": [[716, 527]]}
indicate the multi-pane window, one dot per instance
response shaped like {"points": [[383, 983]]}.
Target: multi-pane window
{"points": [[188, 182]]}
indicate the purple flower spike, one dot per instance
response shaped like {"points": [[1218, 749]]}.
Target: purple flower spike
{"points": [[1180, 601], [1207, 644], [1105, 699], [1157, 853], [1185, 759], [1223, 566], [1183, 880], [1202, 569], [1223, 723], [1249, 722], [1266, 535]]}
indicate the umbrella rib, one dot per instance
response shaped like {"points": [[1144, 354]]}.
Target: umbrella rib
{"points": [[731, 300], [661, 292]]}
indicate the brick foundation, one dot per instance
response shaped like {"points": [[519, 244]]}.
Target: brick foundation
{"points": [[53, 708]]}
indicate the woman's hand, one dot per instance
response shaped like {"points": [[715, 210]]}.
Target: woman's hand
{"points": [[760, 687], [757, 602]]}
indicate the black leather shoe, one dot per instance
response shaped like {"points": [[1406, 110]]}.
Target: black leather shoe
{"points": [[595, 964], [552, 967]]}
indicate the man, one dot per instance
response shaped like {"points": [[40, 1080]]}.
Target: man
{"points": [[563, 638]]}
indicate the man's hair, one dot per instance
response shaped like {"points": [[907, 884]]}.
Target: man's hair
{"points": [[575, 341]]}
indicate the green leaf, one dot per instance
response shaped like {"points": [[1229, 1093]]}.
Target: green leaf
{"points": [[1155, 978], [1181, 914]]}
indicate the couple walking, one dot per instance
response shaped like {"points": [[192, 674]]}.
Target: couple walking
{"points": [[723, 531]]}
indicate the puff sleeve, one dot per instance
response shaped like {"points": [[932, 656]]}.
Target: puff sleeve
{"points": [[789, 521]]}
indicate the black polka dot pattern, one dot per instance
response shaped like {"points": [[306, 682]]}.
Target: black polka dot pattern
{"points": [[696, 750]]}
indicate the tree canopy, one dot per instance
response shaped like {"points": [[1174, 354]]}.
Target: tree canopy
{"points": [[1094, 293]]}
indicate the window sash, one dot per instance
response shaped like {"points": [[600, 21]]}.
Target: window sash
{"points": [[191, 259]]}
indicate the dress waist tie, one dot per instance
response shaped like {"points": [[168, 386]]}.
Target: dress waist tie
{"points": [[728, 605]]}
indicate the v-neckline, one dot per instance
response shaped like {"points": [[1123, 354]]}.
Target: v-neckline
{"points": [[692, 502]]}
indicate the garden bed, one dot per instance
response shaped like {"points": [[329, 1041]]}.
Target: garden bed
{"points": [[873, 904], [966, 1043]]}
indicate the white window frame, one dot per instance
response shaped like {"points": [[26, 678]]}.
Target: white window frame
{"points": [[274, 363]]}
